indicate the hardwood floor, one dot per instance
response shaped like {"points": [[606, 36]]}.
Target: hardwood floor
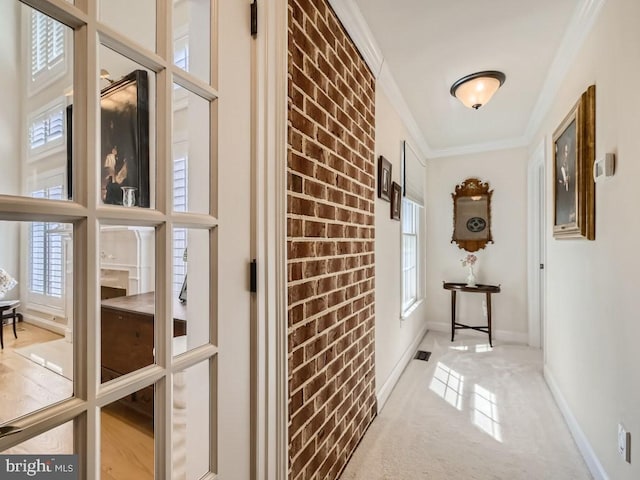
{"points": [[25, 385], [127, 441]]}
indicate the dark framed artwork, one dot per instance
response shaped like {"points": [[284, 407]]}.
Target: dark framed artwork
{"points": [[573, 158], [124, 149], [384, 178], [396, 201]]}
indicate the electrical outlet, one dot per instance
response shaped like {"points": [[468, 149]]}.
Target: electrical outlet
{"points": [[624, 443]]}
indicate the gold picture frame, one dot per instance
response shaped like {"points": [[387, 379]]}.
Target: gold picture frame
{"points": [[472, 215], [573, 158]]}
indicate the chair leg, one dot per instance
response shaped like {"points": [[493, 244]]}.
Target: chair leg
{"points": [[19, 318]]}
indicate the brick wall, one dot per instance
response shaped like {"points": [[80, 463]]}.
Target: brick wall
{"points": [[330, 237]]}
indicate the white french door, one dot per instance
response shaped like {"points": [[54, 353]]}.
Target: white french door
{"points": [[155, 165]]}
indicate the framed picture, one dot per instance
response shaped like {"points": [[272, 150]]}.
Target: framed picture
{"points": [[384, 178], [573, 158], [472, 215], [396, 201], [124, 149]]}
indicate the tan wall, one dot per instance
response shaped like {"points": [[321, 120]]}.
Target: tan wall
{"points": [[330, 238]]}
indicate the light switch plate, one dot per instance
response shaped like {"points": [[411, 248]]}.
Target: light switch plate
{"points": [[624, 443]]}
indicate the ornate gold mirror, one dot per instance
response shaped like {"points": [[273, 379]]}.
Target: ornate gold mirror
{"points": [[472, 215]]}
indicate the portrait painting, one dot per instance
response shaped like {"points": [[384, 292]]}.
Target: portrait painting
{"points": [[124, 159], [396, 201], [384, 178], [573, 159], [566, 205]]}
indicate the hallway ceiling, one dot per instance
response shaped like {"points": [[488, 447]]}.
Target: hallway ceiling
{"points": [[429, 44]]}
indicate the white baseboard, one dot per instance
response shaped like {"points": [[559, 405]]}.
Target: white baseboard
{"points": [[43, 323], [590, 458], [503, 335], [385, 391]]}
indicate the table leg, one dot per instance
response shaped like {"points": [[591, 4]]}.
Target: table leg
{"points": [[453, 314], [489, 316]]}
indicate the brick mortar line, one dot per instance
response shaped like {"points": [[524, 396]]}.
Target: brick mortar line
{"points": [[334, 412], [314, 358], [334, 170], [293, 283], [337, 426], [290, 330], [326, 294], [304, 135], [315, 102], [305, 196]]}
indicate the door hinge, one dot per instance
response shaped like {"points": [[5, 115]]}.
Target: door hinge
{"points": [[253, 274], [542, 266], [254, 18]]}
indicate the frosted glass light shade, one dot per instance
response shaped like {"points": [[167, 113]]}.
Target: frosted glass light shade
{"points": [[476, 90]]}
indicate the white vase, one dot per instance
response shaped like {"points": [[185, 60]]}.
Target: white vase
{"points": [[471, 278]]}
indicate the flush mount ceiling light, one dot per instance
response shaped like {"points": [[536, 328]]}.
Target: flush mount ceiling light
{"points": [[477, 89]]}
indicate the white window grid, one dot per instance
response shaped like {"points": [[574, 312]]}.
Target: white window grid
{"points": [[46, 129], [46, 268], [410, 253], [180, 184], [47, 50]]}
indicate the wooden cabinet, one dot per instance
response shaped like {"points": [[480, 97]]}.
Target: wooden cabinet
{"points": [[127, 341]]}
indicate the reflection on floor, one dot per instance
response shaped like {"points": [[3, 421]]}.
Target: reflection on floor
{"points": [[471, 412], [127, 442]]}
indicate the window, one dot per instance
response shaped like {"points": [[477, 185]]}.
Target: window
{"points": [[46, 251], [410, 228], [47, 49], [46, 128], [179, 234]]}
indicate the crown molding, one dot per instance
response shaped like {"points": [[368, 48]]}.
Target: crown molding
{"points": [[506, 144], [353, 21], [356, 26], [579, 27], [391, 89]]}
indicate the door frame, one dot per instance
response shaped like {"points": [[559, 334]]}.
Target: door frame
{"points": [[536, 251], [269, 146]]}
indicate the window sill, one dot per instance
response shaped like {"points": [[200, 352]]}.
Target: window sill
{"points": [[409, 311]]}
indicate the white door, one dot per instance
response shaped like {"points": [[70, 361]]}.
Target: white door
{"points": [[536, 247], [125, 214]]}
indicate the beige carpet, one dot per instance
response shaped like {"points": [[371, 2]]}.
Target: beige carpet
{"points": [[469, 413]]}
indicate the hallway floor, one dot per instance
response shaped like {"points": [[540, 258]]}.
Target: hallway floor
{"points": [[470, 412]]}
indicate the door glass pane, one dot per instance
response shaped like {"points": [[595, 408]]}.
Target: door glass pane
{"points": [[191, 422], [127, 131], [191, 152], [192, 36], [191, 289], [37, 89], [127, 290], [36, 278], [58, 440], [134, 19], [127, 437]]}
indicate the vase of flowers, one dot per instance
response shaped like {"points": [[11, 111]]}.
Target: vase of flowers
{"points": [[469, 261]]}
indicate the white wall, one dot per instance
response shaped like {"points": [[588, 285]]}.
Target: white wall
{"points": [[503, 262], [10, 122], [593, 325], [396, 339]]}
